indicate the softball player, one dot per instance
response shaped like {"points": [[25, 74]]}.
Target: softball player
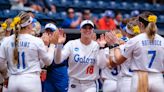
{"points": [[145, 51], [83, 69], [125, 75], [23, 52], [6, 31], [57, 77], [109, 76]]}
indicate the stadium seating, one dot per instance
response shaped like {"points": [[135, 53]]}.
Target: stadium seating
{"points": [[5, 4]]}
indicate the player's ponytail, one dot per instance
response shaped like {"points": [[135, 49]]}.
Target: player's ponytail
{"points": [[16, 25], [151, 29], [16, 28]]}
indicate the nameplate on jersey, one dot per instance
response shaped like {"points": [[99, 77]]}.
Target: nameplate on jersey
{"points": [[148, 42], [21, 44], [84, 59]]}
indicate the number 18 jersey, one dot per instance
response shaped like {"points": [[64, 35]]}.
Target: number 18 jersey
{"points": [[82, 59]]}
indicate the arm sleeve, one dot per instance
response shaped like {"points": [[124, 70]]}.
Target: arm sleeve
{"points": [[46, 57], [128, 48], [62, 53], [102, 57]]}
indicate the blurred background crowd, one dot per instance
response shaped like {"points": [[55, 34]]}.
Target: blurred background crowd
{"points": [[106, 14]]}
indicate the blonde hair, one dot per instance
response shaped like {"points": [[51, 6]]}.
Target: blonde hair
{"points": [[151, 30], [17, 28], [133, 26], [143, 18]]}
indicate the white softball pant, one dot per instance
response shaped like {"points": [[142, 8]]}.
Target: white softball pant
{"points": [[155, 82], [110, 85], [25, 83], [83, 85], [124, 84]]}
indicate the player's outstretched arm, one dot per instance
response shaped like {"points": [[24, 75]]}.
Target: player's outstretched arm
{"points": [[60, 53]]}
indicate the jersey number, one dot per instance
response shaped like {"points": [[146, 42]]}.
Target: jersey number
{"points": [[22, 55], [153, 52], [90, 69], [114, 71]]}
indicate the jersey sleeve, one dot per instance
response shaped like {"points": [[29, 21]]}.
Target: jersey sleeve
{"points": [[62, 53], [44, 55], [2, 50], [66, 51], [102, 57], [3, 63], [122, 48], [128, 48]]}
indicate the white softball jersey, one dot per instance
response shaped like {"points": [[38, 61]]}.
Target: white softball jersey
{"points": [[145, 54], [30, 50], [82, 59], [110, 73], [125, 67]]}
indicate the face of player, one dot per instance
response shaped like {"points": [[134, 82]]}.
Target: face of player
{"points": [[87, 31]]}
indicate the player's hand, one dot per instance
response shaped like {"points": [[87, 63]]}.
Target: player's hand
{"points": [[43, 75], [5, 83], [46, 39], [62, 36], [54, 37], [101, 41], [94, 37], [111, 38]]}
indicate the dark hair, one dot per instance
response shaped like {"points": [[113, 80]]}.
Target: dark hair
{"points": [[69, 9]]}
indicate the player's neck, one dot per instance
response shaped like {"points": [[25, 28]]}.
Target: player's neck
{"points": [[24, 32], [85, 41]]}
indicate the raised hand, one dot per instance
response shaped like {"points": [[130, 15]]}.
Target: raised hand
{"points": [[101, 41], [46, 39], [94, 37], [54, 38], [62, 36], [111, 38]]}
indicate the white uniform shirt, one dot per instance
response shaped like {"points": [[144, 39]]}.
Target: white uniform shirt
{"points": [[82, 59], [145, 55], [125, 67], [30, 50], [110, 73]]}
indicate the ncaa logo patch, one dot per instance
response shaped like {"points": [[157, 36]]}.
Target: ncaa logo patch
{"points": [[76, 49], [73, 86]]}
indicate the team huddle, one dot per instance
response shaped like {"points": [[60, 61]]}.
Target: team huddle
{"points": [[124, 61]]}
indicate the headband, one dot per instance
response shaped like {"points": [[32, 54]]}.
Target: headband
{"points": [[129, 31], [29, 21]]}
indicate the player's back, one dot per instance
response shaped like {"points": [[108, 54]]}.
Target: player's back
{"points": [[147, 55], [28, 59]]}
